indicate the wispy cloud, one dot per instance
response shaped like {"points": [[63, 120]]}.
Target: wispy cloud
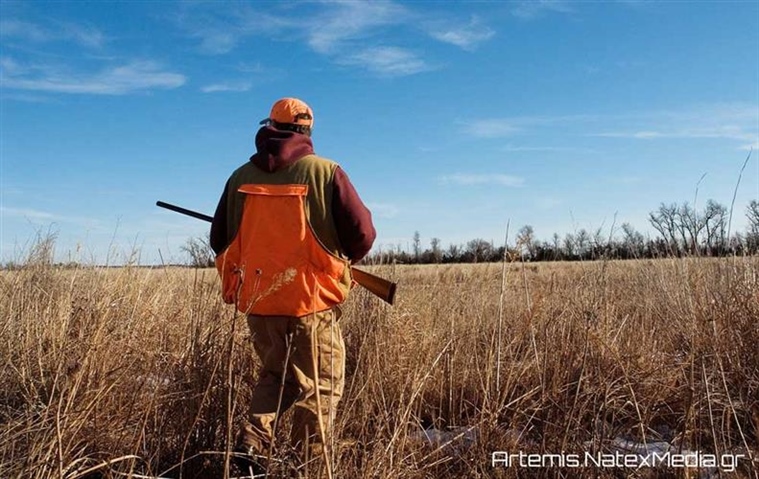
{"points": [[222, 34], [737, 122], [227, 87], [346, 20], [548, 149], [467, 37], [723, 121], [510, 126], [84, 35], [45, 216], [136, 76], [468, 179], [733, 132], [388, 61], [346, 32], [492, 128], [27, 213], [344, 28], [339, 30], [383, 210], [23, 30], [244, 77], [529, 9], [323, 25], [25, 97], [639, 135], [217, 42], [548, 203]]}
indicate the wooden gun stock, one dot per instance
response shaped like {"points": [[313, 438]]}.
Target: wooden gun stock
{"points": [[380, 287]]}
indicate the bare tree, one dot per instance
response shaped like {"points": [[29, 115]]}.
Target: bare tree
{"points": [[556, 241], [569, 246], [479, 250], [752, 237], [437, 253], [200, 252], [665, 221], [453, 254], [633, 242], [752, 213], [715, 224], [526, 240], [690, 225], [417, 245], [582, 241], [598, 243]]}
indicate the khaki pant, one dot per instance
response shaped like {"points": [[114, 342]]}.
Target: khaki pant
{"points": [[316, 353]]}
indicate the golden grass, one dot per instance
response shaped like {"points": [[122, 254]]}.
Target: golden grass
{"points": [[138, 373]]}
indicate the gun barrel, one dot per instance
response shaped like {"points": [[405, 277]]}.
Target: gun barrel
{"points": [[184, 211]]}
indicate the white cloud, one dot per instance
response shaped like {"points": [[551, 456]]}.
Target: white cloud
{"points": [[492, 128], [84, 35], [639, 135], [119, 80], [226, 87], [383, 210], [344, 31], [529, 9], [221, 30], [216, 42], [388, 61], [510, 126], [27, 213], [466, 37], [326, 26], [23, 30], [548, 203], [732, 132], [627, 180], [338, 29], [467, 179], [737, 122], [349, 20], [44, 216], [25, 97], [555, 149]]}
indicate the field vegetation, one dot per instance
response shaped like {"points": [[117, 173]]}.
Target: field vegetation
{"points": [[140, 372]]}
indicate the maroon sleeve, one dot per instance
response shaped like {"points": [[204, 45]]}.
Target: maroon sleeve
{"points": [[218, 238], [353, 219]]}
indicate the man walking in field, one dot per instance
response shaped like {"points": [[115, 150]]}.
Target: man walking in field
{"points": [[285, 231]]}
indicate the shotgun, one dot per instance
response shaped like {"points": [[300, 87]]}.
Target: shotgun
{"points": [[380, 287]]}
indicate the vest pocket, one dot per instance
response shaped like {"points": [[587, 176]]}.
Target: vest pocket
{"points": [[231, 276]]}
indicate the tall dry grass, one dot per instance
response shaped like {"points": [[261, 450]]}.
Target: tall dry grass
{"points": [[144, 372]]}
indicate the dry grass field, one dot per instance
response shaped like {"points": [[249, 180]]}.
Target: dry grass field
{"points": [[135, 372]]}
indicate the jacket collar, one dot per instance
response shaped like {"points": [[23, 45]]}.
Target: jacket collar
{"points": [[277, 149]]}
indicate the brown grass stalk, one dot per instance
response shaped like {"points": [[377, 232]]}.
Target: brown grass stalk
{"points": [[133, 372]]}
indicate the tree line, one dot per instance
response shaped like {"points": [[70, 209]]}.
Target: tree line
{"points": [[681, 230]]}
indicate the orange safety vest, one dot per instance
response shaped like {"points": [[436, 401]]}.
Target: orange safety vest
{"points": [[275, 265]]}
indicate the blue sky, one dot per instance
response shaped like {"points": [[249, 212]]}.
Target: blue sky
{"points": [[451, 118]]}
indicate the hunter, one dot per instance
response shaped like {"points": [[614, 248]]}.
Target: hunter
{"points": [[287, 228]]}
